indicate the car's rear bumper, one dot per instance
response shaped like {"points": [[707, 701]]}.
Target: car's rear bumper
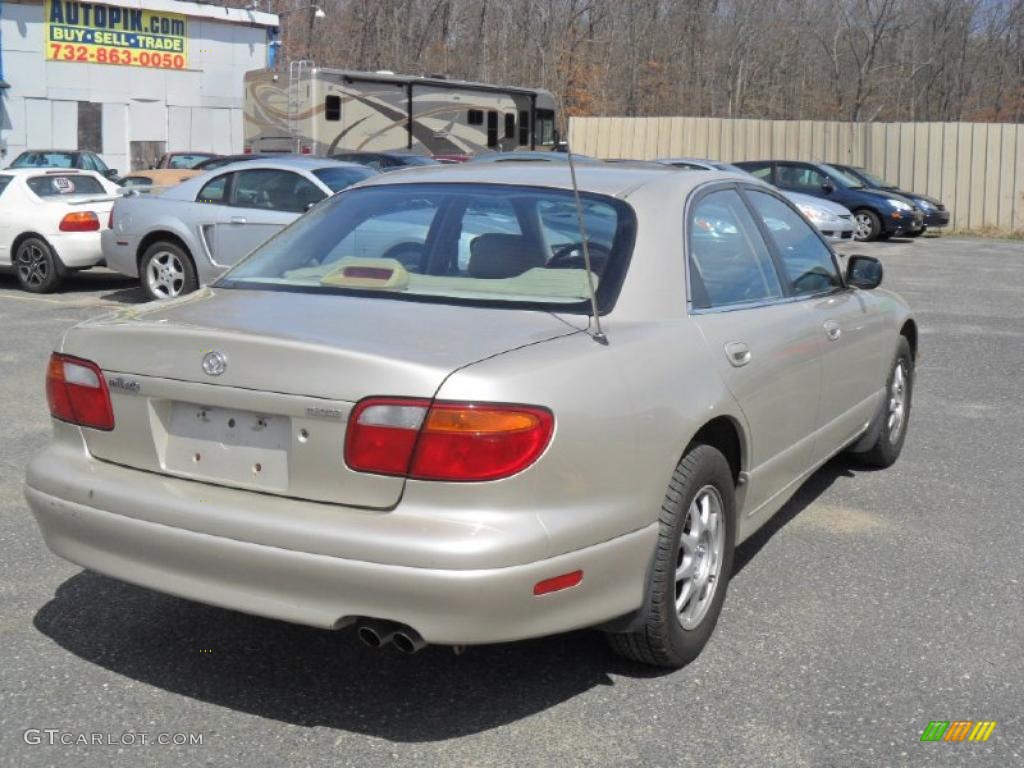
{"points": [[445, 604], [77, 250], [119, 252]]}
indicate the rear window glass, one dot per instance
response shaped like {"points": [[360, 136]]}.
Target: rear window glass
{"points": [[64, 184], [452, 243], [185, 161]]}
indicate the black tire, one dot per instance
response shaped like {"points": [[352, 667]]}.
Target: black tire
{"points": [[662, 639], [37, 266], [166, 271], [886, 447], [867, 225]]}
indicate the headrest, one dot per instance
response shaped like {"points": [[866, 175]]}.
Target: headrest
{"points": [[496, 255]]}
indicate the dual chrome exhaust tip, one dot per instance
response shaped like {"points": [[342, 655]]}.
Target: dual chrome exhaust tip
{"points": [[377, 634]]}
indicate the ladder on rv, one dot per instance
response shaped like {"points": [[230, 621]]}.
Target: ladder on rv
{"points": [[298, 92]]}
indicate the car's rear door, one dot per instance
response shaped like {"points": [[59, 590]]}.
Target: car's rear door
{"points": [[262, 202], [762, 344], [849, 328]]}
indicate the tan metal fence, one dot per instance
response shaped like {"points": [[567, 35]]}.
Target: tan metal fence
{"points": [[976, 169]]}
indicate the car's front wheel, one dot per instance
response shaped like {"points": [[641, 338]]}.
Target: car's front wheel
{"points": [[890, 424], [692, 564], [167, 271], [867, 225]]}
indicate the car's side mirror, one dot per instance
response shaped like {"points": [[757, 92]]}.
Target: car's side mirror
{"points": [[110, 173], [827, 187], [864, 272]]}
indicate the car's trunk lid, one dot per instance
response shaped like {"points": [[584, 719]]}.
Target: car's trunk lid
{"points": [[293, 364]]}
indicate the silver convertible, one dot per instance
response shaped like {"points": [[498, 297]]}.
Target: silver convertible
{"points": [[452, 447], [181, 239]]}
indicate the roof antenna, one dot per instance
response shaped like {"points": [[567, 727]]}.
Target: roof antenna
{"points": [[596, 334]]}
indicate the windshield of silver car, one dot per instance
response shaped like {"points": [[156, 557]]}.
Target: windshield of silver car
{"points": [[451, 242]]}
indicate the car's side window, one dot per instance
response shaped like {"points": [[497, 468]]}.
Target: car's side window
{"points": [[729, 260], [4, 181], [762, 172], [807, 262], [97, 163], [793, 176], [274, 190], [213, 191]]}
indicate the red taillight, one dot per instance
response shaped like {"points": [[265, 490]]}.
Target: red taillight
{"points": [[80, 221], [306, 150], [247, 150], [445, 441], [77, 392]]}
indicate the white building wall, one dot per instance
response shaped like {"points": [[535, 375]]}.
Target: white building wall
{"points": [[195, 109]]}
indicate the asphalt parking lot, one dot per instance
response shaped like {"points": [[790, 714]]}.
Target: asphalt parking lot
{"points": [[874, 603]]}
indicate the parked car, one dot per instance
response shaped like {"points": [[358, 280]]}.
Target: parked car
{"points": [[156, 178], [878, 214], [220, 161], [452, 159], [50, 223], [176, 241], [532, 156], [456, 455], [384, 161], [935, 214], [185, 160], [64, 158], [833, 220]]}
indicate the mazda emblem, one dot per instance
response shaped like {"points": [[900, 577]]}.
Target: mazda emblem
{"points": [[214, 363]]}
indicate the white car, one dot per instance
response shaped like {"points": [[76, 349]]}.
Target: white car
{"points": [[833, 220], [50, 223]]}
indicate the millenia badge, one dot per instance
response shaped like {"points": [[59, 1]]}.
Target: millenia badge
{"points": [[958, 730]]}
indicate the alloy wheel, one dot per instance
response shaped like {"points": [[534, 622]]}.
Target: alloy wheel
{"points": [[897, 402], [165, 275], [864, 226], [699, 562], [32, 264]]}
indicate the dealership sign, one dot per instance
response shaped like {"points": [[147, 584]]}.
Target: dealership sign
{"points": [[96, 33]]}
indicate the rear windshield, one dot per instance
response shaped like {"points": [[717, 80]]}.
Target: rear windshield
{"points": [[453, 243], [337, 179], [64, 184], [185, 161]]}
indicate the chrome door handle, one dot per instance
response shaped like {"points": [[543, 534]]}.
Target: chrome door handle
{"points": [[832, 330], [738, 353], [238, 220]]}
